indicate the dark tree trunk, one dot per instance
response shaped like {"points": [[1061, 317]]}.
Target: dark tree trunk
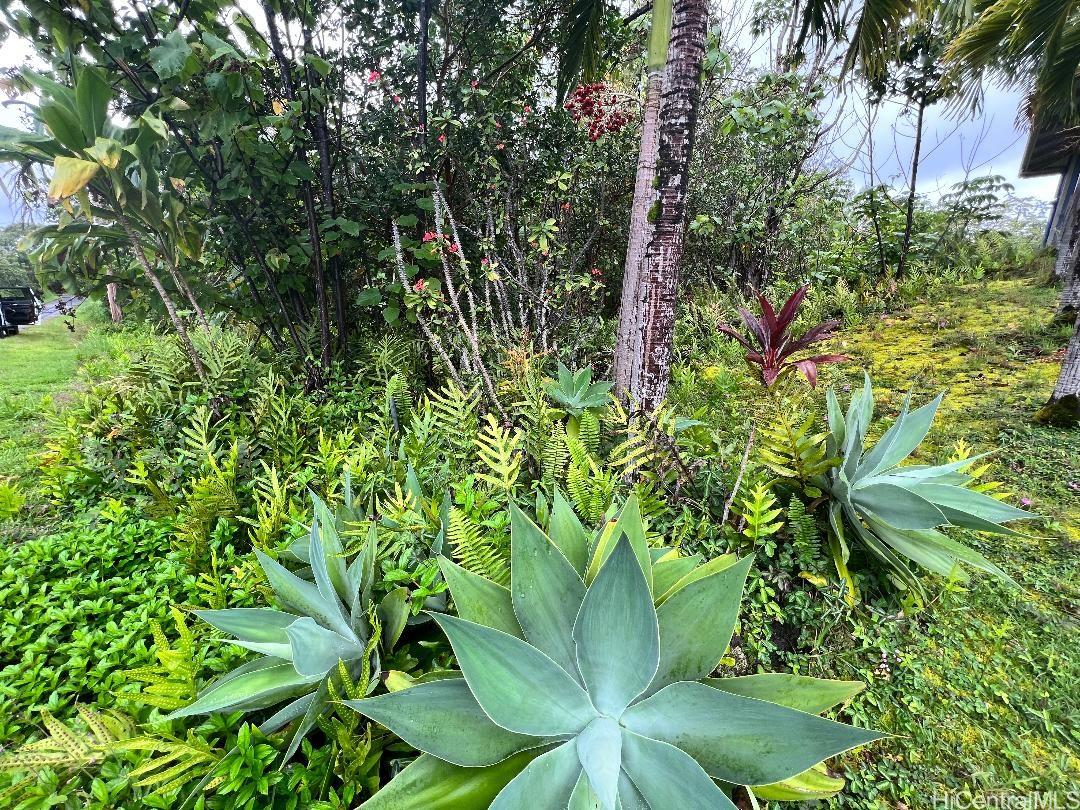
{"points": [[422, 70], [653, 332], [909, 220]]}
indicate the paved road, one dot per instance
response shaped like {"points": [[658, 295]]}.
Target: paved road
{"points": [[55, 309]]}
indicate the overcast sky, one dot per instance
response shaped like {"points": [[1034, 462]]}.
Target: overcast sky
{"points": [[990, 143]]}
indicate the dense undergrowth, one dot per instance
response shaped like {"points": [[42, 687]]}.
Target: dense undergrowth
{"points": [[147, 493]]}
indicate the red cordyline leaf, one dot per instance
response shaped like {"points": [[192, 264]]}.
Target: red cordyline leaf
{"points": [[756, 329], [724, 329], [791, 307]]}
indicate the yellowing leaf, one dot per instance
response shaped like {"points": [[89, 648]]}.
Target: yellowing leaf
{"points": [[70, 176]]}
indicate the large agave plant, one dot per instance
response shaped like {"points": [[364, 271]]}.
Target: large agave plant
{"points": [[585, 684], [896, 511], [326, 622], [575, 392]]}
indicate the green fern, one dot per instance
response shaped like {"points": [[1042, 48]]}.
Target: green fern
{"points": [[171, 683], [553, 458], [474, 551], [498, 453], [172, 762], [456, 414], [803, 528], [789, 450], [760, 512]]}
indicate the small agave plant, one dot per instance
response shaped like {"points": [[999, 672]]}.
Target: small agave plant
{"points": [[575, 392], [327, 625], [896, 511], [585, 684]]}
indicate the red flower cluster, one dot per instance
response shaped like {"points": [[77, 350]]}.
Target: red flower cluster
{"points": [[434, 236], [419, 285], [597, 105]]}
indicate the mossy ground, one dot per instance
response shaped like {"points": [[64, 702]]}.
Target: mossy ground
{"points": [[981, 688]]}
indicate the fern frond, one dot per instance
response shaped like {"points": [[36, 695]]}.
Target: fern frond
{"points": [[498, 453], [69, 747], [170, 684], [474, 551]]}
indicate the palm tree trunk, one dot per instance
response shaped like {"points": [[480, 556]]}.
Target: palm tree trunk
{"points": [[653, 332], [115, 312], [641, 229]]}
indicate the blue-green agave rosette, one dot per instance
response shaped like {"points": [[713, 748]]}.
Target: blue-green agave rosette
{"points": [[896, 512], [324, 623], [585, 684]]}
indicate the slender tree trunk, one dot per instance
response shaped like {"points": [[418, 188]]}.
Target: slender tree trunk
{"points": [[1067, 265], [653, 334], [166, 299], [1064, 405], [183, 286], [909, 220], [115, 312], [641, 229], [422, 70]]}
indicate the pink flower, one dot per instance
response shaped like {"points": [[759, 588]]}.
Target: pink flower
{"points": [[485, 261], [397, 99], [527, 109], [596, 272], [442, 139], [1025, 501], [566, 206], [430, 236], [474, 84], [453, 247], [373, 77], [500, 146], [419, 285]]}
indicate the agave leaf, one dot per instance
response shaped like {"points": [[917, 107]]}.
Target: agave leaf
{"points": [[668, 777], [696, 625], [393, 612], [443, 718], [301, 596], [251, 624], [583, 797], [628, 521], [285, 715], [317, 650], [894, 564], [497, 666], [547, 782], [320, 568], [909, 435], [480, 600], [546, 591], [315, 707], [332, 548], [568, 534], [629, 796], [799, 692], [667, 572], [965, 554], [429, 783], [713, 566], [970, 502], [898, 507], [737, 739], [262, 686], [617, 624], [812, 784], [599, 748]]}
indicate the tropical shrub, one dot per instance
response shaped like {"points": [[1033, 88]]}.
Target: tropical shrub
{"points": [[895, 511], [586, 683], [771, 345]]}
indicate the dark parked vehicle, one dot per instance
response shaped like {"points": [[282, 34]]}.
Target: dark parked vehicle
{"points": [[19, 306]]}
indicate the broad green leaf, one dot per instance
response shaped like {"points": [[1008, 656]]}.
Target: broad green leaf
{"points": [[319, 702], [92, 96], [568, 534], [333, 550], [898, 507], [429, 783], [106, 151], [669, 571], [970, 502], [64, 125], [443, 718], [301, 596], [913, 429], [251, 624], [264, 686], [799, 692], [599, 748], [668, 777], [629, 796], [546, 783], [317, 650], [281, 718], [583, 797], [393, 612], [617, 636], [169, 58], [70, 176], [737, 739], [480, 600], [547, 592], [696, 625], [912, 545], [518, 686]]}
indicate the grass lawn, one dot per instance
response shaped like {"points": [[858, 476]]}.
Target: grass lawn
{"points": [[34, 365]]}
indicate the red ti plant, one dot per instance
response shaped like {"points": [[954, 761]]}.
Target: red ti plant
{"points": [[771, 345]]}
